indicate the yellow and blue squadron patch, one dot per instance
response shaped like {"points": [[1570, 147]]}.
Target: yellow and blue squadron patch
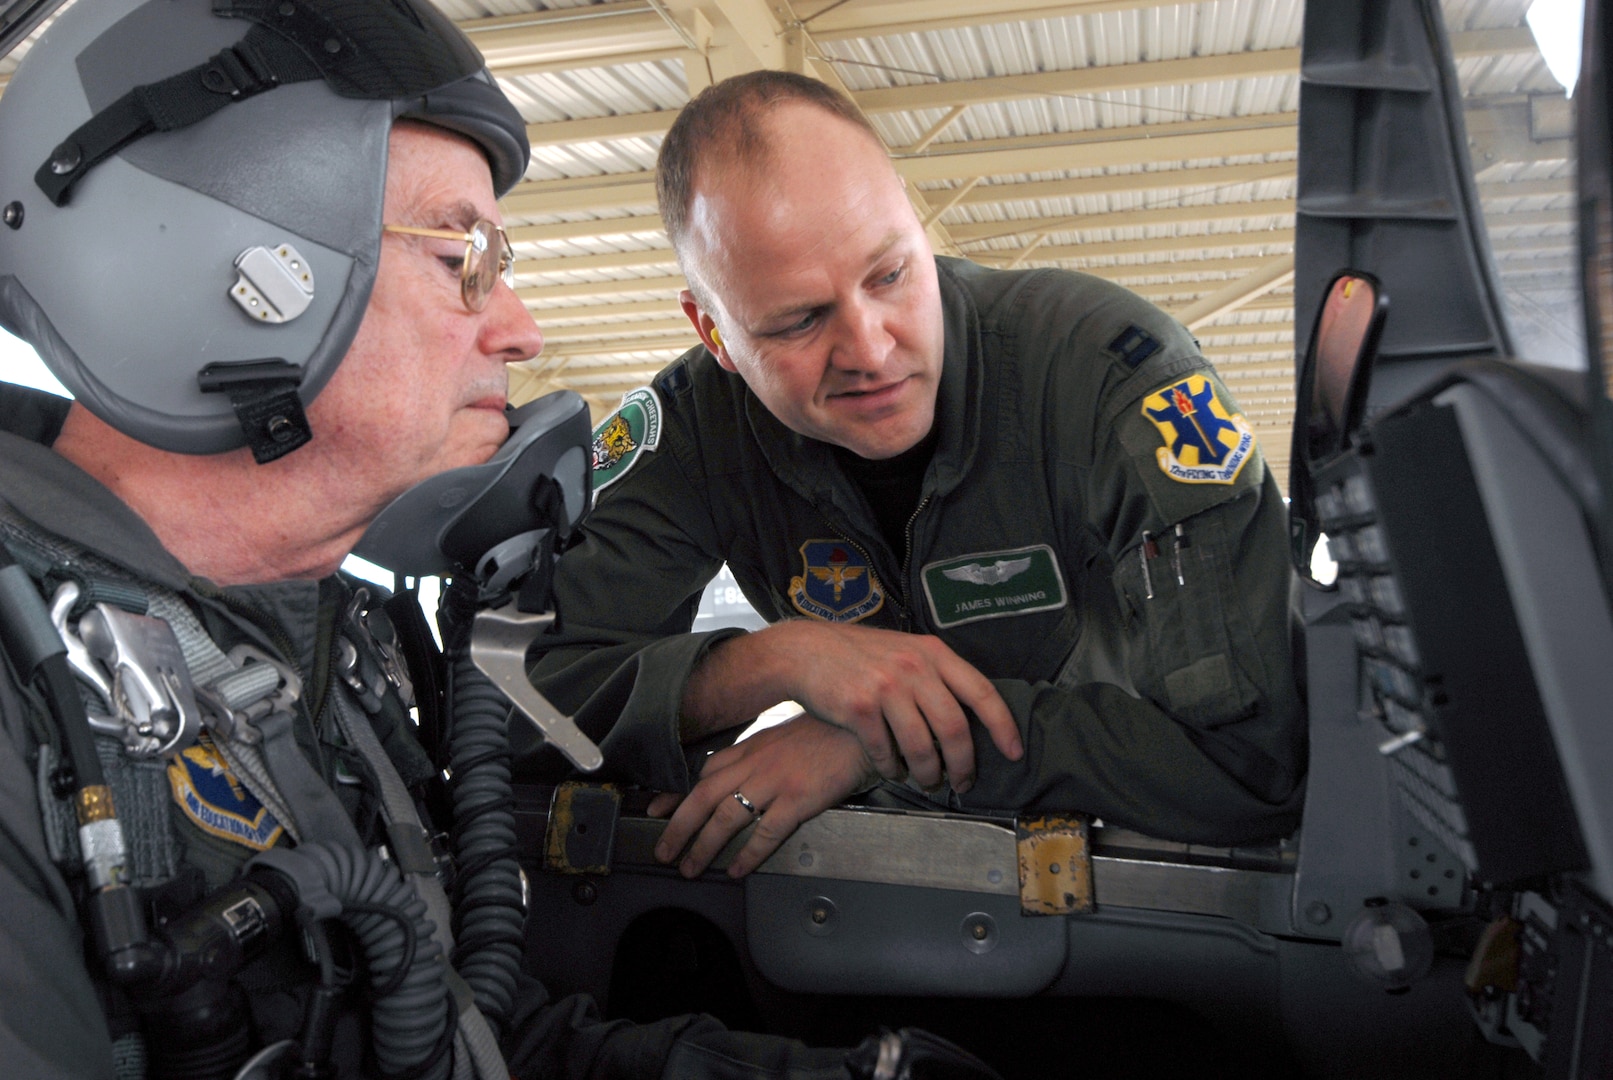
{"points": [[210, 795], [1204, 443], [836, 583]]}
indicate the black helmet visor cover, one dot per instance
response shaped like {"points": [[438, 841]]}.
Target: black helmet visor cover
{"points": [[410, 53], [368, 50]]}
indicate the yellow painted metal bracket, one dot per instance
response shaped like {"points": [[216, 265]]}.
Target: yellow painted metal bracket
{"points": [[582, 828], [1055, 865]]}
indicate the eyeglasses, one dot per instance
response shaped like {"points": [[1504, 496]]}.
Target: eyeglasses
{"points": [[485, 263]]}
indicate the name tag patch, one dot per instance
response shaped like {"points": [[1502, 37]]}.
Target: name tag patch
{"points": [[1204, 443], [215, 801], [994, 585], [626, 434]]}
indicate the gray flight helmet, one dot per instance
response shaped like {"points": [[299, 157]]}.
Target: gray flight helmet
{"points": [[190, 199]]}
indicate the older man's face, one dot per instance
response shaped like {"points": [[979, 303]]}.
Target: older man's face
{"points": [[423, 386], [822, 285]]}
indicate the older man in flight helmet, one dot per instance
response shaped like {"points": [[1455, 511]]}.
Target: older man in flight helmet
{"points": [[259, 242]]}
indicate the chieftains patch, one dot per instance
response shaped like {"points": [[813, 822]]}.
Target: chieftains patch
{"points": [[836, 583], [633, 429], [993, 584], [214, 799], [1204, 444]]}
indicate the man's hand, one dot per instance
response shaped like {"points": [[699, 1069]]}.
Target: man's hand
{"points": [[903, 695], [790, 773]]}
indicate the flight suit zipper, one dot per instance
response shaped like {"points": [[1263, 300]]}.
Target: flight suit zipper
{"points": [[901, 611], [898, 599], [907, 558], [258, 618]]}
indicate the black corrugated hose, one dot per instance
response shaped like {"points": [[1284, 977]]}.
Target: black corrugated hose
{"points": [[412, 1017], [489, 930]]}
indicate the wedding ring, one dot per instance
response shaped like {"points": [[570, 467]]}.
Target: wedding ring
{"points": [[750, 807]]}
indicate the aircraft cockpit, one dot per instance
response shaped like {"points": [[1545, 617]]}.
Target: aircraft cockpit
{"points": [[1444, 909]]}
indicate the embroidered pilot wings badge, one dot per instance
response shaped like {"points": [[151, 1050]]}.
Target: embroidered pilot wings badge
{"points": [[998, 572], [993, 585]]}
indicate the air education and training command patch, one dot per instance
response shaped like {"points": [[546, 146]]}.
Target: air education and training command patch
{"points": [[211, 796], [1204, 444], [836, 583], [633, 429]]}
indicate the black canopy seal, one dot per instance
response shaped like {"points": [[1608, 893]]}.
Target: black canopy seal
{"points": [[264, 394], [362, 50]]}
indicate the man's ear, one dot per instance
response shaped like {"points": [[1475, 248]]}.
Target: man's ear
{"points": [[706, 327]]}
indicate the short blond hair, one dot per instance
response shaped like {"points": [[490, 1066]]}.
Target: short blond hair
{"points": [[724, 119]]}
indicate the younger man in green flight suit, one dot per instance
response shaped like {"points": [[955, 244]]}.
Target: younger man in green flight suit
{"points": [[1016, 544]]}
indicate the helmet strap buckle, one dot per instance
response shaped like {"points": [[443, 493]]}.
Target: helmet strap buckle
{"points": [[264, 395]]}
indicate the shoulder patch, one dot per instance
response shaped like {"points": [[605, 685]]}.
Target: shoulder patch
{"points": [[836, 583], [1133, 346], [633, 429], [216, 802], [1204, 443]]}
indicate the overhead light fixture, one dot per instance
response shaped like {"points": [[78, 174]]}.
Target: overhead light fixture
{"points": [[1558, 26]]}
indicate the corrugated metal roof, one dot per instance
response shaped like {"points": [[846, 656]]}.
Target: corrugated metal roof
{"points": [[1177, 258], [618, 60]]}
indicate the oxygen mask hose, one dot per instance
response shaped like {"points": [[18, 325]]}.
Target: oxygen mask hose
{"points": [[38, 654], [412, 1019], [489, 920]]}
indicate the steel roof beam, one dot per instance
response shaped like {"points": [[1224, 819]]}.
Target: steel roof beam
{"points": [[573, 290], [632, 225], [604, 260], [1165, 268], [616, 332], [596, 312], [622, 260], [1218, 176], [1100, 79], [595, 33], [1232, 296], [625, 191], [973, 231], [1116, 248]]}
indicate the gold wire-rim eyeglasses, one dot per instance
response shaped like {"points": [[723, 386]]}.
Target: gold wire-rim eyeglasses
{"points": [[479, 274]]}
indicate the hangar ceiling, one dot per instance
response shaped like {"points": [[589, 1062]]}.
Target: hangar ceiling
{"points": [[1148, 142]]}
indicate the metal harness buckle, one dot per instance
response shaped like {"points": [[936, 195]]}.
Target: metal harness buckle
{"points": [[238, 724], [136, 664], [369, 656]]}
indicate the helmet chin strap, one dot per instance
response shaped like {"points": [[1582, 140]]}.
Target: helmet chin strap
{"points": [[264, 395]]}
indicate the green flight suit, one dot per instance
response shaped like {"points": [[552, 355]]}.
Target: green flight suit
{"points": [[59, 1018], [1151, 679]]}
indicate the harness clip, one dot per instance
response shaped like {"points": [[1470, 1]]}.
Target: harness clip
{"points": [[135, 662]]}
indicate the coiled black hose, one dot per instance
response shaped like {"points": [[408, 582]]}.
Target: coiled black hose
{"points": [[488, 919], [412, 1023]]}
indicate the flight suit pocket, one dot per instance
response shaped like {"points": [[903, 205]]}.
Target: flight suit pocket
{"points": [[1183, 653]]}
